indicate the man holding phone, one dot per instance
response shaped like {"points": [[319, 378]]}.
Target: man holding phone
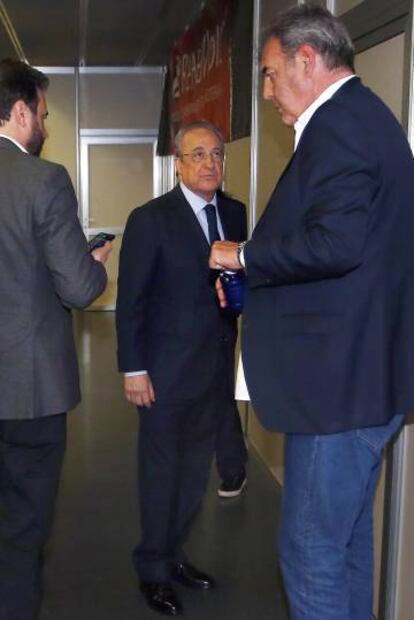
{"points": [[46, 269], [99, 240]]}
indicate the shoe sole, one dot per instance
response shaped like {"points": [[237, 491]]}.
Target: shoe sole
{"points": [[234, 493]]}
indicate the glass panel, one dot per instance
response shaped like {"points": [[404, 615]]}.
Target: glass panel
{"points": [[120, 100], [120, 178]]}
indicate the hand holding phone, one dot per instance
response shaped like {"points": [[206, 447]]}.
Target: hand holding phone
{"points": [[99, 240]]}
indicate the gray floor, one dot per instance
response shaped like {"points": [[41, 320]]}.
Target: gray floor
{"points": [[88, 571]]}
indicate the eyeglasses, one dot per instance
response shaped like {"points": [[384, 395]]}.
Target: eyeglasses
{"points": [[199, 155]]}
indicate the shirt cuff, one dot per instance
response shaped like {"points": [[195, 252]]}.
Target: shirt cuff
{"points": [[240, 253], [135, 373]]}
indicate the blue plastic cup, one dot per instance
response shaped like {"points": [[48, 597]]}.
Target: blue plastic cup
{"points": [[234, 284]]}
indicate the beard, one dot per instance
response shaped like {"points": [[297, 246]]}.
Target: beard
{"points": [[35, 144]]}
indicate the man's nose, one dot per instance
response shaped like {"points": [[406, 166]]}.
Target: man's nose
{"points": [[209, 160]]}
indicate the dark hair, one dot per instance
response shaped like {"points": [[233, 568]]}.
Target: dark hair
{"points": [[19, 81], [190, 127], [310, 23]]}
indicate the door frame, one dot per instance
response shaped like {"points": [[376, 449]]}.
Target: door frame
{"points": [[107, 137]]}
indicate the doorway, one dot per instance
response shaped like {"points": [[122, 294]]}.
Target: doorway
{"points": [[119, 170]]}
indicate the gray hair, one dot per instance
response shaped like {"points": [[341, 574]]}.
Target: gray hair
{"points": [[313, 25], [178, 140]]}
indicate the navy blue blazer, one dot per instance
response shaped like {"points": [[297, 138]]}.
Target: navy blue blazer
{"points": [[168, 317], [328, 328]]}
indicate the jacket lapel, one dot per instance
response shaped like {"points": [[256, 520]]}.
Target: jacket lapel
{"points": [[226, 218]]}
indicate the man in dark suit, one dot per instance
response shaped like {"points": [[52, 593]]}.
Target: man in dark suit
{"points": [[45, 270], [173, 332], [328, 328]]}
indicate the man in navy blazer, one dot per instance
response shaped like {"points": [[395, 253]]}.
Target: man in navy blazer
{"points": [[328, 327], [176, 348]]}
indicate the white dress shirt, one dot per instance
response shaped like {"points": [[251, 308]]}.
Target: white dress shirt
{"points": [[197, 204], [305, 117]]}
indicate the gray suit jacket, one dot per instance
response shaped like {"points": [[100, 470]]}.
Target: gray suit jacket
{"points": [[45, 269]]}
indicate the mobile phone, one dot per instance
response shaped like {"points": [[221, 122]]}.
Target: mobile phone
{"points": [[99, 240]]}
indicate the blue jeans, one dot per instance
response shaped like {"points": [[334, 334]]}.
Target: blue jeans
{"points": [[326, 535]]}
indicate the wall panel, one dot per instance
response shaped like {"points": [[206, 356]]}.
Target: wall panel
{"points": [[275, 147], [237, 169], [381, 68], [61, 144]]}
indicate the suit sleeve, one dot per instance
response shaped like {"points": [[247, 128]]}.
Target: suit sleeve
{"points": [[338, 180], [237, 221], [243, 223], [239, 216], [137, 266], [78, 279]]}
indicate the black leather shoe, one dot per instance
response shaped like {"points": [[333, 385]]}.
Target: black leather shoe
{"points": [[161, 597], [233, 486], [191, 577]]}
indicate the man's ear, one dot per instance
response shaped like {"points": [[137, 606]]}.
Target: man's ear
{"points": [[306, 55], [178, 168], [19, 113]]}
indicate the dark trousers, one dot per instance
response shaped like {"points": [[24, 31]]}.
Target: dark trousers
{"points": [[31, 455], [175, 450], [231, 453]]}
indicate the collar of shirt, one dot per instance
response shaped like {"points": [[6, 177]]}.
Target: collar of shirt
{"points": [[305, 117], [196, 202], [14, 142]]}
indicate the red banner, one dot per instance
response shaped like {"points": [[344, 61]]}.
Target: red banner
{"points": [[200, 70]]}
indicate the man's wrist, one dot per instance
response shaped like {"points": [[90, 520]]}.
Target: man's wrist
{"points": [[240, 254]]}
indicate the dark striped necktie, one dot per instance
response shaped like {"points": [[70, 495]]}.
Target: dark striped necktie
{"points": [[213, 233]]}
